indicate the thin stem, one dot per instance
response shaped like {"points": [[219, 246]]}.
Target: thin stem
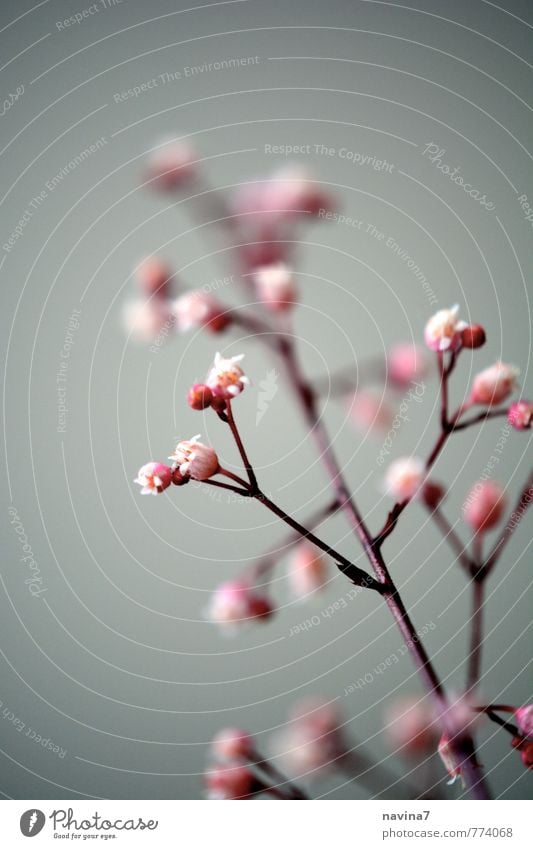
{"points": [[242, 451], [281, 780], [220, 485], [451, 538], [524, 500], [509, 726], [476, 634], [233, 477], [356, 575], [482, 417], [268, 560]]}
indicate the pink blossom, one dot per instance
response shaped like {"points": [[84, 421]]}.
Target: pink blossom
{"points": [[153, 276], [445, 751], [484, 506], [229, 781], [232, 744], [198, 309], [153, 477], [235, 602], [197, 461], [144, 319], [226, 378], [411, 726], [199, 396], [524, 720], [405, 477], [494, 384], [520, 415], [290, 191], [307, 570], [171, 164], [275, 286], [443, 330], [406, 364]]}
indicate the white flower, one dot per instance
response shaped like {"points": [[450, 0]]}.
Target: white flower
{"points": [[494, 384], [194, 309], [275, 286], [195, 460], [443, 330], [226, 378]]}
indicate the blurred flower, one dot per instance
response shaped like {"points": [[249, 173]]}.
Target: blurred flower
{"points": [[411, 725], [153, 276], [406, 364], [404, 477], [226, 378], [195, 460], [520, 415], [198, 309], [312, 741], [153, 477], [494, 384], [229, 781], [443, 330], [369, 411], [275, 286], [484, 506], [525, 747], [171, 164], [236, 602], [144, 319], [232, 744], [307, 570]]}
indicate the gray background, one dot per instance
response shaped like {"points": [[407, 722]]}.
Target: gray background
{"points": [[114, 662]]}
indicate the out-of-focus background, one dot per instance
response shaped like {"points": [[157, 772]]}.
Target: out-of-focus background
{"points": [[112, 682]]}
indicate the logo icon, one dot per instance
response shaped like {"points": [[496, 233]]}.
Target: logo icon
{"points": [[268, 389], [32, 822]]}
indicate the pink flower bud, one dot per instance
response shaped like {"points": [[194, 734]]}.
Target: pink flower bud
{"points": [[235, 602], [275, 286], [292, 190], [195, 460], [153, 277], [307, 570], [406, 364], [232, 744], [494, 384], [145, 319], [448, 759], [178, 479], [198, 309], [473, 336], [411, 726], [484, 506], [432, 494], [153, 478], [227, 379], [443, 330], [229, 782], [525, 747], [520, 415], [405, 477], [524, 720], [171, 165], [199, 396]]}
